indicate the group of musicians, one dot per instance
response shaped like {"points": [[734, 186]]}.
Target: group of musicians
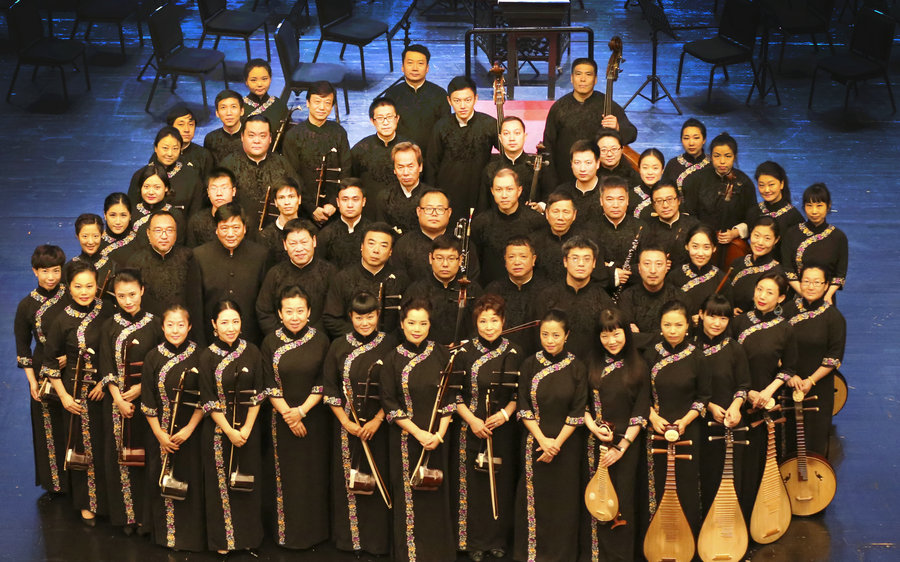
{"points": [[218, 362]]}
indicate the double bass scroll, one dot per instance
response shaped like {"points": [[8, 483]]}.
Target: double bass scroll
{"points": [[613, 67], [499, 88]]}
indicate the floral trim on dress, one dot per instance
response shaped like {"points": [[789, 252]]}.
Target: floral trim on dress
{"points": [[694, 279], [258, 108], [810, 240], [689, 168], [758, 325], [750, 269], [46, 304], [645, 201]]}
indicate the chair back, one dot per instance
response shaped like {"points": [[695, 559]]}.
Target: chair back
{"points": [[209, 8], [165, 31], [25, 25], [299, 16], [873, 36], [288, 48], [333, 11], [740, 22]]}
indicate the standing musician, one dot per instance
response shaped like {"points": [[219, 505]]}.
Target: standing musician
{"points": [[560, 215], [512, 155], [305, 146], [286, 197], [126, 338], [460, 147], [397, 205], [35, 315], [154, 191], [226, 139], [584, 188], [770, 344], [746, 271], [169, 380], [618, 394], [680, 391], [579, 116], [371, 157], [485, 405], [821, 333], [220, 189], [609, 141], [119, 238], [772, 183], [551, 404], [231, 389], [650, 172], [726, 364], [698, 278], [816, 242], [163, 265], [422, 527], [182, 118], [88, 229], [340, 239], [693, 159], [72, 344], [669, 226], [643, 302], [185, 185], [298, 463], [360, 522], [616, 231], [258, 78]]}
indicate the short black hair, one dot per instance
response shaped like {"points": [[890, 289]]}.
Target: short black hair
{"points": [[584, 60], [256, 119], [584, 145], [446, 242], [364, 302], [300, 225], [86, 219], [220, 172], [380, 102], [694, 122], [46, 256], [461, 83], [416, 48], [602, 133], [168, 131], [256, 63], [581, 242], [179, 111], [227, 95], [229, 210], [321, 88], [817, 193]]}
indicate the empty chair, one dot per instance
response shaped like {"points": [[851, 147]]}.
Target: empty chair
{"points": [[221, 22], [733, 44], [173, 58], [298, 75], [338, 24], [868, 56], [35, 48], [809, 17], [106, 11]]}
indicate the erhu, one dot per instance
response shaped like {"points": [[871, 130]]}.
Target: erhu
{"points": [[239, 481], [486, 460], [499, 92], [383, 300], [723, 535], [539, 162], [129, 455], [669, 536], [463, 231], [360, 482], [600, 496], [323, 170], [76, 458], [266, 209], [627, 265], [282, 129], [169, 486]]}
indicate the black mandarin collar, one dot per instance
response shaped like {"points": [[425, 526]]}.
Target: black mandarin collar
{"points": [[778, 205], [613, 357], [295, 335], [413, 348], [120, 236], [812, 305], [694, 159], [700, 270], [46, 293], [84, 309], [176, 349], [491, 345], [154, 207], [816, 229], [763, 259], [365, 339], [706, 340], [258, 99], [767, 316], [90, 258], [155, 160], [227, 347], [132, 318], [555, 358], [676, 349]]}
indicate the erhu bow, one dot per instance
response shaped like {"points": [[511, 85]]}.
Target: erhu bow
{"points": [[75, 459], [361, 483], [282, 128], [169, 486], [131, 375]]}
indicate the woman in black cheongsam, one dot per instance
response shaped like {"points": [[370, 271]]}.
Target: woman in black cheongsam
{"points": [[698, 278], [746, 271]]}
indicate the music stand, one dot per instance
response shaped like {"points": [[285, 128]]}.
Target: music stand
{"points": [[655, 15], [403, 24]]}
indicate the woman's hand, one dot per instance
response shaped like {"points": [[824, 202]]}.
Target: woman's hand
{"points": [[125, 408], [718, 412], [479, 428], [96, 394], [34, 389], [132, 393], [367, 431], [726, 236], [298, 429], [166, 444], [806, 385], [291, 417], [762, 398], [236, 437], [182, 435], [549, 447], [733, 415], [495, 421], [245, 431], [610, 457], [70, 404], [352, 428], [658, 422], [429, 441], [795, 382], [603, 433], [682, 424]]}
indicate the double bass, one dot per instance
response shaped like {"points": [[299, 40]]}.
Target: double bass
{"points": [[613, 66], [723, 535], [771, 515], [808, 477], [130, 454], [669, 536]]}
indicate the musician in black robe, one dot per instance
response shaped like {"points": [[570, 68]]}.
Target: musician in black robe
{"points": [[185, 191], [520, 290], [286, 198], [821, 333], [341, 239], [746, 271], [373, 274], [650, 172], [460, 147], [680, 391], [584, 186], [398, 203], [231, 267], [179, 524], [770, 344], [725, 362], [304, 268], [153, 199], [293, 356], [560, 215], [220, 189], [551, 403], [512, 155], [35, 315], [88, 229], [200, 159], [617, 408], [485, 405], [580, 296], [163, 266], [306, 146], [359, 522], [579, 116], [76, 335], [772, 184], [254, 168], [443, 290], [612, 163], [617, 232], [669, 225], [258, 78], [693, 159], [410, 379], [119, 238], [231, 389], [226, 139], [126, 338], [815, 242], [419, 103], [699, 278], [642, 302], [371, 157], [506, 218]]}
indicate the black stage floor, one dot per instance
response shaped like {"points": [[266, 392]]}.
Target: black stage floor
{"points": [[60, 160]]}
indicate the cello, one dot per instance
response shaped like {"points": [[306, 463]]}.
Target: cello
{"points": [[723, 535], [771, 515], [129, 455], [808, 477], [613, 66], [738, 247], [669, 536]]}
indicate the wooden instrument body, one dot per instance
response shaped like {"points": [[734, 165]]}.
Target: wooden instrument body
{"points": [[361, 483], [612, 74], [738, 248], [169, 486], [771, 515], [813, 494], [239, 481], [840, 392], [130, 455], [45, 390], [669, 536], [172, 488], [75, 459], [499, 88], [723, 535], [600, 496], [427, 479]]}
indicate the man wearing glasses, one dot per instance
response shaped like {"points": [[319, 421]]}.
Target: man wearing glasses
{"points": [[669, 226], [163, 265], [611, 162], [371, 157]]}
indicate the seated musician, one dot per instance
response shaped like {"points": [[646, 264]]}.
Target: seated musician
{"points": [[226, 139], [669, 226], [693, 137], [163, 265], [642, 302], [610, 144], [579, 116], [371, 157], [340, 240], [258, 78], [397, 205], [287, 201], [182, 118], [308, 143], [584, 161], [220, 189], [512, 155]]}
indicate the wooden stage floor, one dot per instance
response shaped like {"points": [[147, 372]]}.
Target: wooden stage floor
{"points": [[58, 161]]}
